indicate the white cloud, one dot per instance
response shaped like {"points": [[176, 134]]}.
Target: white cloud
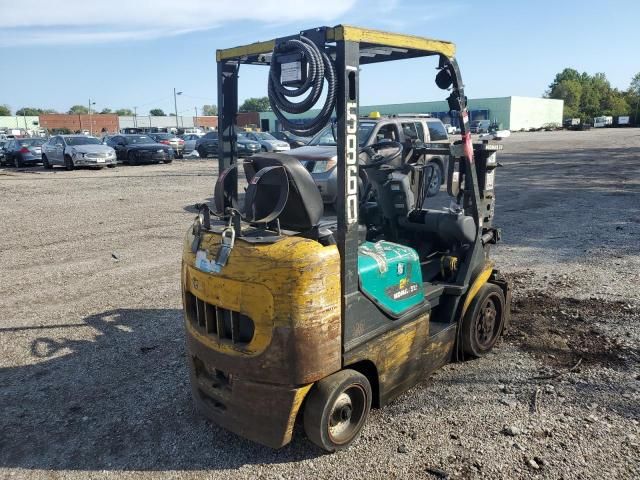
{"points": [[30, 22]]}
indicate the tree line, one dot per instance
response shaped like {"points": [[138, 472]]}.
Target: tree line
{"points": [[587, 96], [250, 105]]}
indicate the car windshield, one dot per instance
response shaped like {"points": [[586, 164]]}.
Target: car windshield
{"points": [[137, 139], [264, 136], [82, 140], [31, 142], [325, 137], [163, 136]]}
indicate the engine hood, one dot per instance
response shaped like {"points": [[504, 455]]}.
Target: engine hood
{"points": [[319, 152], [149, 146], [92, 148]]}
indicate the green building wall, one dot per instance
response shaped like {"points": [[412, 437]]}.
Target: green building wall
{"points": [[511, 113]]}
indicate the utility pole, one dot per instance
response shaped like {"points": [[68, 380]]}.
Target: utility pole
{"points": [[175, 105], [196, 119], [135, 117], [90, 122]]}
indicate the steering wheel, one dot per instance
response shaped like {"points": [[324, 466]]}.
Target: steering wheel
{"points": [[377, 159]]}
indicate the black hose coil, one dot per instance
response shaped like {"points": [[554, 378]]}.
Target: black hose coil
{"points": [[320, 67]]}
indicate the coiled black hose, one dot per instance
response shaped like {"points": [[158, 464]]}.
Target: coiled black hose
{"points": [[320, 67]]}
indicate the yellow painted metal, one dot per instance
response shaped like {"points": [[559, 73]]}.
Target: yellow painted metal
{"points": [[387, 39], [354, 34], [245, 50], [299, 397], [480, 280], [293, 283]]}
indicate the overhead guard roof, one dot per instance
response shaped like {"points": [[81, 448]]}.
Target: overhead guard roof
{"points": [[366, 36]]}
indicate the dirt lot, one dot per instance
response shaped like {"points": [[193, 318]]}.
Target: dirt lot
{"points": [[93, 382]]}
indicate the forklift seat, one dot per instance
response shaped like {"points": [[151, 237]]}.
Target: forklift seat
{"points": [[303, 208]]}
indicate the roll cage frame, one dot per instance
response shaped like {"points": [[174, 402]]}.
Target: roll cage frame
{"points": [[351, 47]]}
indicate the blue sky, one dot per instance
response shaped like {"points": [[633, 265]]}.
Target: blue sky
{"points": [[57, 53]]}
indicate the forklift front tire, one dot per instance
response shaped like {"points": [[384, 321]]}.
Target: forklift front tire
{"points": [[336, 409], [483, 321]]}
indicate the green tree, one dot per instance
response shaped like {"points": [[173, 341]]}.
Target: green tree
{"points": [[106, 110], [76, 109], [209, 110], [5, 110], [156, 112], [124, 112], [256, 105], [569, 90], [31, 111]]}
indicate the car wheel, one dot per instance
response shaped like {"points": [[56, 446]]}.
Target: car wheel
{"points": [[483, 322], [45, 163], [434, 177], [202, 153], [336, 409], [168, 161], [111, 166], [132, 158], [264, 149], [68, 163], [17, 162]]}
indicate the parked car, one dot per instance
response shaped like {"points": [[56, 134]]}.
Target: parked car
{"points": [[480, 126], [172, 140], [268, 143], [190, 140], [294, 141], [320, 155], [21, 152], [77, 151], [135, 149], [2, 144], [208, 145]]}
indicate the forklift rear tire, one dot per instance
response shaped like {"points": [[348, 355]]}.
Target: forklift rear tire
{"points": [[484, 320], [336, 409]]}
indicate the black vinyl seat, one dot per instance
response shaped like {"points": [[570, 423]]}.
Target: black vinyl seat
{"points": [[304, 208]]}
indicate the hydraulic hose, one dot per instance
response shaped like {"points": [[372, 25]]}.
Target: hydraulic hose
{"points": [[320, 67]]}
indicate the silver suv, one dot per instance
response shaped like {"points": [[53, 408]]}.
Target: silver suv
{"points": [[320, 155]]}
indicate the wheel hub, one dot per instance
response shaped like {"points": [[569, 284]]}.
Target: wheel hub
{"points": [[486, 323], [346, 414]]}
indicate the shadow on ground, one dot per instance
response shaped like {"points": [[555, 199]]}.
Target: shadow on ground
{"points": [[119, 402]]}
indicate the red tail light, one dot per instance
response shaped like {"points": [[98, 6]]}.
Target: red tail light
{"points": [[25, 150], [166, 142], [181, 141]]}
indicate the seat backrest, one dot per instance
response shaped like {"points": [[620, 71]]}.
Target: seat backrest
{"points": [[304, 207]]}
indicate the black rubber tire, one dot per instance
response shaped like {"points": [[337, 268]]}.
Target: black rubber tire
{"points": [[263, 149], [132, 158], [45, 163], [168, 161], [331, 392], [202, 153], [68, 163], [17, 162], [434, 186], [111, 166], [480, 332]]}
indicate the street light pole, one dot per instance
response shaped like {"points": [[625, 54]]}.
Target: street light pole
{"points": [[135, 117], [175, 105], [196, 119], [90, 122]]}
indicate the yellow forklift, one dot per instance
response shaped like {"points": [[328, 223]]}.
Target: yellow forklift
{"points": [[297, 316]]}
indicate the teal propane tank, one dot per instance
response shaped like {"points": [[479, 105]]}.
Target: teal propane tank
{"points": [[390, 276]]}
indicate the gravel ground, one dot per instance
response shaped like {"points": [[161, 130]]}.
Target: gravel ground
{"points": [[93, 382]]}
